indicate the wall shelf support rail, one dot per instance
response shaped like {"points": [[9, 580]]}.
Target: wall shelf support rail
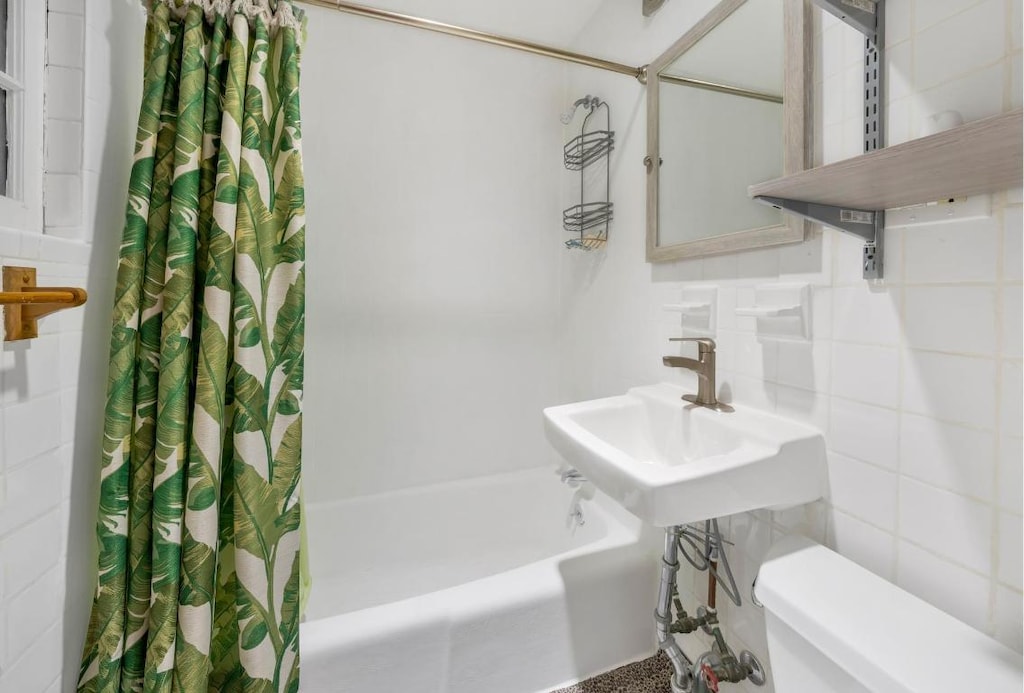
{"points": [[867, 17]]}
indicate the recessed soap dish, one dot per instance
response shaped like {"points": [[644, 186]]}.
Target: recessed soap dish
{"points": [[698, 310], [687, 308], [768, 311], [782, 311]]}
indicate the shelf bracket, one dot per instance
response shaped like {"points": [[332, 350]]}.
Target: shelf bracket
{"points": [[860, 14], [652, 6], [865, 224]]}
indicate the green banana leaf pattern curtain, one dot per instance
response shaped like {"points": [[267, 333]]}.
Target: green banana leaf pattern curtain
{"points": [[199, 517]]}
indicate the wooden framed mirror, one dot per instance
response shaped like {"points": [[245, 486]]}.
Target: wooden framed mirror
{"points": [[727, 107]]}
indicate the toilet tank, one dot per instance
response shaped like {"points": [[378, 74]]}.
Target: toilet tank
{"points": [[833, 626]]}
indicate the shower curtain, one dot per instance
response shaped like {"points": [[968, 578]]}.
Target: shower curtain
{"points": [[199, 517]]}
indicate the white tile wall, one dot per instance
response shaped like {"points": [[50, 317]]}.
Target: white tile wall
{"points": [[863, 491], [873, 548], [64, 93], [953, 388], [916, 381], [953, 457], [959, 251], [946, 523], [65, 45], [923, 421], [63, 146], [952, 588], [446, 301], [931, 310], [1006, 618], [941, 51], [1011, 475], [63, 212], [866, 374], [859, 305], [34, 671], [1011, 560], [47, 460]]}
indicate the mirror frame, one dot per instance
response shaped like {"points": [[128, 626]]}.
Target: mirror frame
{"points": [[796, 111]]}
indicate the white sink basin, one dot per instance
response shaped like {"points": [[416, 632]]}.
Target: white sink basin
{"points": [[670, 462]]}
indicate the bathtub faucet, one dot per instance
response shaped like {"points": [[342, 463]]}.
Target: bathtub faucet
{"points": [[573, 478]]}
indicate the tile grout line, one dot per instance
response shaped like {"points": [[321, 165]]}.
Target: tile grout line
{"points": [[998, 392]]}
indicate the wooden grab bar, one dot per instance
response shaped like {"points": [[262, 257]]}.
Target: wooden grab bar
{"points": [[51, 294], [24, 303]]}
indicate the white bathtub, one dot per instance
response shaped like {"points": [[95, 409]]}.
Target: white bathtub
{"points": [[474, 586]]}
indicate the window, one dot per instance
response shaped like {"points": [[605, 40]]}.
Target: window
{"points": [[6, 84], [22, 35]]}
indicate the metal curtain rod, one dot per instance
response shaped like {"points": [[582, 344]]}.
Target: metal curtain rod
{"points": [[639, 73], [715, 86]]}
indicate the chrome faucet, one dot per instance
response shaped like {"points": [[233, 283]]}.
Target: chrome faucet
{"points": [[704, 367], [573, 478]]}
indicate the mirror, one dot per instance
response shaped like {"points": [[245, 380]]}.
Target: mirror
{"points": [[726, 108]]}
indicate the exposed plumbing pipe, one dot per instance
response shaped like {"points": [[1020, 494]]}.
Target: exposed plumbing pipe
{"points": [[718, 664], [682, 666]]}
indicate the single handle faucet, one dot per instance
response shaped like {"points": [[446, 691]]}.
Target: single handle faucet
{"points": [[704, 367]]}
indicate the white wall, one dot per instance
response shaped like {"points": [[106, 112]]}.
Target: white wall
{"points": [[432, 173], [114, 33], [52, 388], [916, 381], [431, 165]]}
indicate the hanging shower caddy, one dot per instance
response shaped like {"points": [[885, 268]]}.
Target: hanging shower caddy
{"points": [[588, 221]]}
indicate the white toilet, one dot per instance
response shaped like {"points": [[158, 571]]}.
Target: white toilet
{"points": [[834, 627]]}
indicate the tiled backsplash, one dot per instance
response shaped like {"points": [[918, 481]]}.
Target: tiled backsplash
{"points": [[916, 381]]}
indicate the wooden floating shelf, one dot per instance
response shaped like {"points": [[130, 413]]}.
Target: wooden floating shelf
{"points": [[977, 158], [24, 302]]}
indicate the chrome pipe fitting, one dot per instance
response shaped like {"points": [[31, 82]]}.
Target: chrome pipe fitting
{"points": [[682, 678]]}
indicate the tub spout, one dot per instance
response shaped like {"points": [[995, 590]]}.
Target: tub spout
{"points": [[573, 477]]}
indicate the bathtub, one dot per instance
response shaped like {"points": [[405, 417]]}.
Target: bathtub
{"points": [[479, 586]]}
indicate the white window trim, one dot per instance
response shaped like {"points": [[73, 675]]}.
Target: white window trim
{"points": [[22, 208]]}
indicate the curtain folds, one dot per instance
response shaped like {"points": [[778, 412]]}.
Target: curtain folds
{"points": [[199, 518]]}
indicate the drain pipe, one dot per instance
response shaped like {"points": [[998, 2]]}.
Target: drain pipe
{"points": [[682, 679]]}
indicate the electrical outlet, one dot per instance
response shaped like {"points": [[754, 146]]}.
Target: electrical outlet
{"points": [[953, 209]]}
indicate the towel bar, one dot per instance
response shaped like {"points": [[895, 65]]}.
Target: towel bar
{"points": [[24, 302]]}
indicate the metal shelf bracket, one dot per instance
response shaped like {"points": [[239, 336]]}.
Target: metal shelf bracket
{"points": [[860, 14], [866, 224]]}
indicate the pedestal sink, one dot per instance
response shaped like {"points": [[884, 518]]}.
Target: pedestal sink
{"points": [[670, 462]]}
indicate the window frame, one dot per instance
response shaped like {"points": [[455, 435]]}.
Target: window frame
{"points": [[21, 209]]}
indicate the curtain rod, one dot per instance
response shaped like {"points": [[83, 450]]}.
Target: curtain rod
{"points": [[715, 86], [640, 73]]}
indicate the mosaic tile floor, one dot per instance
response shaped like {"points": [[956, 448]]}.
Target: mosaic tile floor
{"points": [[650, 675]]}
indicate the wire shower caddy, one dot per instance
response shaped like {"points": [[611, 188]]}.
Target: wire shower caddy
{"points": [[589, 221]]}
